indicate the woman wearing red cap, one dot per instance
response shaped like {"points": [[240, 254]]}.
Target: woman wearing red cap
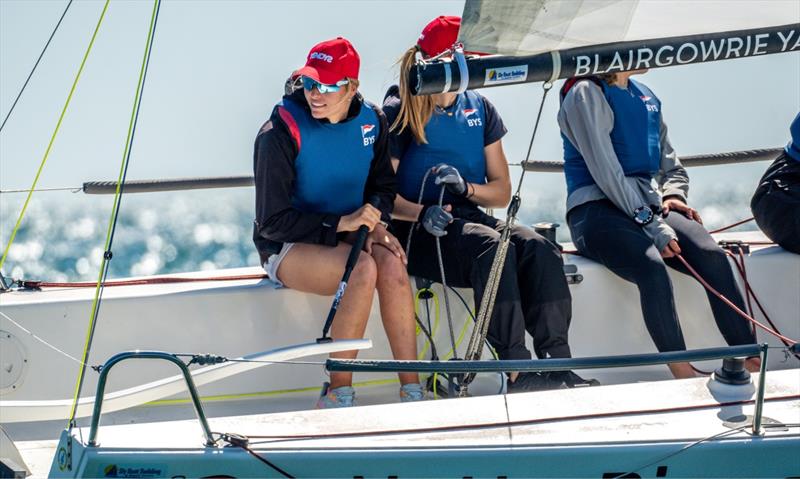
{"points": [[317, 160], [457, 138]]}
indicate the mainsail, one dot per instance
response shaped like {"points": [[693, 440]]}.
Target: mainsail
{"points": [[544, 40]]}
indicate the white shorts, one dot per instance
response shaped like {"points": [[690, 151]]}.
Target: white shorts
{"points": [[274, 261]]}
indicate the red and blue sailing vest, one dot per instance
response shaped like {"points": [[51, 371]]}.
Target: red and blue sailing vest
{"points": [[455, 137], [333, 159], [635, 136]]}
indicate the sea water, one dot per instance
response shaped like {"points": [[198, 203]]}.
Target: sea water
{"points": [[62, 235]]}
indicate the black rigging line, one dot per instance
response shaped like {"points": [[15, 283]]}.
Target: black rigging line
{"points": [[35, 65], [128, 159], [133, 131], [107, 254]]}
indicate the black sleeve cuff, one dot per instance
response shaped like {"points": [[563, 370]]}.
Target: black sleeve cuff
{"points": [[328, 236]]}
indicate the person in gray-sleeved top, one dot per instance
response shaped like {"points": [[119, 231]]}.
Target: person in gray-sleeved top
{"points": [[627, 205]]}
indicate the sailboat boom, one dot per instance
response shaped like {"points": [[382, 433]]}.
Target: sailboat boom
{"points": [[498, 70]]}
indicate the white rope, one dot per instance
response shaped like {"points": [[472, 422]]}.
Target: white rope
{"points": [[556, 56], [463, 70], [43, 341], [448, 78], [479, 332], [439, 257], [481, 328], [76, 189]]}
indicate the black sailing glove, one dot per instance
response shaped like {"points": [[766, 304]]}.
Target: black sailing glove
{"points": [[435, 219], [451, 178]]}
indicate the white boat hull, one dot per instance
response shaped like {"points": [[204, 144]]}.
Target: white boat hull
{"points": [[664, 429], [231, 318]]}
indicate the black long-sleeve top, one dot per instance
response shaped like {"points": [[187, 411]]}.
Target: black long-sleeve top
{"points": [[276, 221]]}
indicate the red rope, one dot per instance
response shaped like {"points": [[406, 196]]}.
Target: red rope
{"points": [[786, 341], [733, 306], [734, 225], [750, 243], [750, 292], [137, 282]]}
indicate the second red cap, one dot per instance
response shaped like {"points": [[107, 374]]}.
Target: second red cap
{"points": [[331, 61], [439, 35]]}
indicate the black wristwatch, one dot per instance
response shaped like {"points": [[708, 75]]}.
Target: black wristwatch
{"points": [[643, 215]]}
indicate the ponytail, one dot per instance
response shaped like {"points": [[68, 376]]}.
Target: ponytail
{"points": [[415, 111]]}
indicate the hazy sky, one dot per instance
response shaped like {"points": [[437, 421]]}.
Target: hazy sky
{"points": [[218, 68]]}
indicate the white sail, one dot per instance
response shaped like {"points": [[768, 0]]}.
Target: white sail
{"points": [[528, 27]]}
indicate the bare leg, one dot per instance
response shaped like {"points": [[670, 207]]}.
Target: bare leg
{"points": [[318, 269], [397, 307], [682, 370]]}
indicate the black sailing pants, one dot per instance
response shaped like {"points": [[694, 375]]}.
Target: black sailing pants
{"points": [[776, 203], [605, 234], [533, 267]]}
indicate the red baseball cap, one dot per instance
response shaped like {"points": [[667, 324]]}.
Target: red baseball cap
{"points": [[331, 61], [439, 35]]}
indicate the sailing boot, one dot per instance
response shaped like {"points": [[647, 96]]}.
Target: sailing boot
{"points": [[344, 396], [533, 381], [572, 380], [411, 392]]}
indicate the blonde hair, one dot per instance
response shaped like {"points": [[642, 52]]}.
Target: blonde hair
{"points": [[415, 111]]}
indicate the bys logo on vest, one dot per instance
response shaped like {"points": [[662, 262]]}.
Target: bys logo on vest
{"points": [[472, 112], [368, 134], [320, 56], [649, 106]]}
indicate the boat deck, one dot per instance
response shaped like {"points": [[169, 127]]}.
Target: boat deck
{"points": [[654, 412]]}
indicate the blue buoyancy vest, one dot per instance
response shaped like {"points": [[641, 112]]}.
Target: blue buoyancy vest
{"points": [[455, 137], [793, 148], [333, 159], [635, 136]]}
